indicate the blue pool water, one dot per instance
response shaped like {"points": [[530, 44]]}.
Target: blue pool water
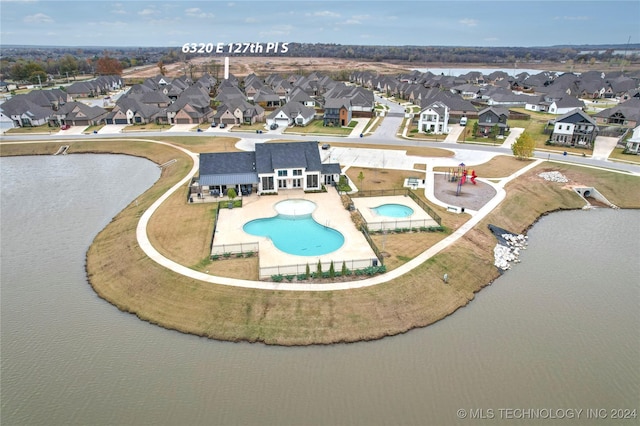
{"points": [[294, 230], [301, 235], [393, 210]]}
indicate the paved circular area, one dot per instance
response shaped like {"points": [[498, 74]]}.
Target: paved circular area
{"points": [[472, 197]]}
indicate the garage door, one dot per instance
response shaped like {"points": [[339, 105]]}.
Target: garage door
{"points": [[183, 121], [282, 122], [121, 121]]}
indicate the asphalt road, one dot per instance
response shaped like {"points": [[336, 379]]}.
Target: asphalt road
{"points": [[385, 134]]}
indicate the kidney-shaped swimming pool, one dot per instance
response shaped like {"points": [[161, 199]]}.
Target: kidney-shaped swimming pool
{"points": [[294, 230]]}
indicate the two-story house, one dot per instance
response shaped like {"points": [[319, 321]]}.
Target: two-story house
{"points": [[434, 119], [575, 128], [271, 168], [490, 117], [337, 112]]}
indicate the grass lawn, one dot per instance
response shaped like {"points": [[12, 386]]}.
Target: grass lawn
{"points": [[316, 127], [120, 272], [202, 144], [410, 150], [248, 127], [44, 129], [499, 166], [618, 154], [413, 133], [91, 129], [146, 127]]}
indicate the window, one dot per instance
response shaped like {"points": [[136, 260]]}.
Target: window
{"points": [[297, 172], [282, 173], [312, 181], [267, 183]]}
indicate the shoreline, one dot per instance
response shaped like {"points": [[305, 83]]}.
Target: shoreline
{"points": [[415, 300]]}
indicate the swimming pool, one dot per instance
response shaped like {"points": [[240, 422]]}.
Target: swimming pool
{"points": [[294, 230], [393, 210]]}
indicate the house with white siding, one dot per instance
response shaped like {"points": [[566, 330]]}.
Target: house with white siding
{"points": [[434, 119]]}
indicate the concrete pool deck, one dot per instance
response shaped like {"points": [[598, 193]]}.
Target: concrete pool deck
{"points": [[375, 222], [329, 212]]}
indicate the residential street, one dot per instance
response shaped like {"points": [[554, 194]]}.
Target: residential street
{"points": [[386, 134]]}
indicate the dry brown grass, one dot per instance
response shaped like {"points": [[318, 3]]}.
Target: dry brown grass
{"points": [[400, 248], [202, 144], [379, 178], [418, 151], [120, 273], [499, 166]]}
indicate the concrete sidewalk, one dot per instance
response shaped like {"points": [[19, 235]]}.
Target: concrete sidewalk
{"points": [[147, 247]]}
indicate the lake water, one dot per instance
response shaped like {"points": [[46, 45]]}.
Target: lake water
{"points": [[484, 71], [560, 331]]}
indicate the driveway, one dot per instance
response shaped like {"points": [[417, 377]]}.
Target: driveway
{"points": [[73, 130], [603, 147], [181, 128], [112, 128], [359, 128]]}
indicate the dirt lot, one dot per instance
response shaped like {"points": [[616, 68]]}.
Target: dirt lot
{"points": [[243, 66]]}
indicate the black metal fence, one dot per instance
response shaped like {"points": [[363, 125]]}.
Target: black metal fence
{"points": [[301, 268], [401, 191]]}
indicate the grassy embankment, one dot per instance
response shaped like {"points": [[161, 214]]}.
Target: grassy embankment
{"points": [[121, 273]]}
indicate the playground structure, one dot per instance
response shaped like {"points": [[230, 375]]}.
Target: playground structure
{"points": [[460, 175]]}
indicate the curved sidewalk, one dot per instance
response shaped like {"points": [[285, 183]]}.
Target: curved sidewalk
{"points": [[149, 250]]}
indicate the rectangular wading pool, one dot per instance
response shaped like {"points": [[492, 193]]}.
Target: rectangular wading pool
{"points": [[393, 212], [325, 209]]}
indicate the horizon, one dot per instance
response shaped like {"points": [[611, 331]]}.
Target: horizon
{"points": [[434, 23]]}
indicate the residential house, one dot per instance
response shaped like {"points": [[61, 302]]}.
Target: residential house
{"points": [[78, 114], [633, 143], [51, 98], [238, 111], [267, 98], [252, 87], [24, 113], [271, 168], [434, 119], [337, 112], [361, 100], [565, 105], [299, 95], [129, 110], [491, 117], [292, 113], [625, 114], [458, 107], [617, 87], [575, 128]]}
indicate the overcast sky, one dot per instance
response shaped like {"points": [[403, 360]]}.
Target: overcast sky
{"points": [[438, 23]]}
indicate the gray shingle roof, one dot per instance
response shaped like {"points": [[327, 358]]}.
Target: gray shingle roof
{"points": [[271, 156]]}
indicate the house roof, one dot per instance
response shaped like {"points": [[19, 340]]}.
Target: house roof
{"points": [[272, 156], [20, 105], [78, 110], [576, 116], [227, 163], [629, 109], [293, 109], [232, 168]]}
